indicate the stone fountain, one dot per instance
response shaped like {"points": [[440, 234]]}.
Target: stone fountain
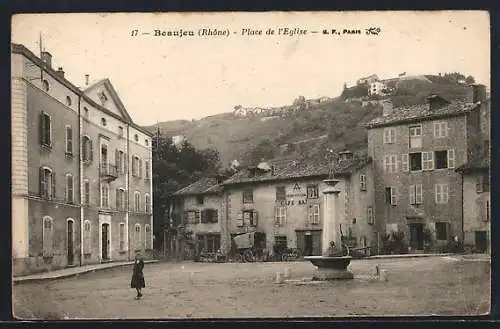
{"points": [[331, 266]]}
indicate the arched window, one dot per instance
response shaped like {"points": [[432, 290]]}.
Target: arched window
{"points": [[46, 85], [87, 247], [147, 203], [137, 201], [147, 236], [87, 152], [47, 183], [47, 235], [137, 237], [69, 188]]}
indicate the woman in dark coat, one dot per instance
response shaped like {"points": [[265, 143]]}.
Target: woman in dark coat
{"points": [[137, 281]]}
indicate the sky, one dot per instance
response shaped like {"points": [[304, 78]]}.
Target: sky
{"points": [[161, 78]]}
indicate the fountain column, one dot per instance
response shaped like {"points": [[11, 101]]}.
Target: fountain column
{"points": [[330, 216]]}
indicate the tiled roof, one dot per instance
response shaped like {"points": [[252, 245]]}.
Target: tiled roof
{"points": [[298, 170], [421, 112], [204, 185]]}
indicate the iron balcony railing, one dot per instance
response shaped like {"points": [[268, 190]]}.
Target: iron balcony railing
{"points": [[108, 171]]}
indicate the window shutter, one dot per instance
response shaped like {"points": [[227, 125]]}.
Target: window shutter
{"points": [[53, 185], [204, 216], [394, 196], [412, 194], [42, 182], [404, 162], [117, 160], [215, 217], [418, 194], [118, 206], [197, 217], [239, 219], [431, 160], [42, 128], [255, 218], [451, 158], [91, 150], [140, 168], [436, 129], [125, 161]]}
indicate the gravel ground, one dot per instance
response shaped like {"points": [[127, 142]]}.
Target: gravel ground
{"points": [[417, 286]]}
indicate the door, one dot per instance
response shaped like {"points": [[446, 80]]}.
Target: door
{"points": [[104, 154], [316, 243], [70, 243], [481, 241], [416, 236], [308, 244], [105, 242]]}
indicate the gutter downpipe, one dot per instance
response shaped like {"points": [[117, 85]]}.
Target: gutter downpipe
{"points": [[80, 172]]}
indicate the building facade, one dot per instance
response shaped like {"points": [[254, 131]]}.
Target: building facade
{"points": [[415, 152], [77, 160]]}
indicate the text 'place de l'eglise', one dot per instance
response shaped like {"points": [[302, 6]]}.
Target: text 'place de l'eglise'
{"points": [[82, 181]]}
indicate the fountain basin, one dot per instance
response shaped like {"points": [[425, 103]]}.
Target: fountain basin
{"points": [[331, 267]]}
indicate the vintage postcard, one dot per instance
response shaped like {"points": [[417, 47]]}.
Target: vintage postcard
{"points": [[250, 165]]}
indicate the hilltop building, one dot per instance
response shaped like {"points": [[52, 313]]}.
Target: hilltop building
{"points": [[77, 160]]}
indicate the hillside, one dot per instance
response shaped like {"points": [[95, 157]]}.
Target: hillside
{"points": [[308, 132]]}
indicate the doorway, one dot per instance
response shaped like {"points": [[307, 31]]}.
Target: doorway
{"points": [[104, 154], [105, 242], [69, 244], [417, 236], [481, 241], [308, 244]]}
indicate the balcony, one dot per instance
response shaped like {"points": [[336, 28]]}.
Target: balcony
{"points": [[108, 172]]}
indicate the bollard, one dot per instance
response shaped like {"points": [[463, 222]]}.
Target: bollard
{"points": [[383, 276], [287, 274], [278, 277]]}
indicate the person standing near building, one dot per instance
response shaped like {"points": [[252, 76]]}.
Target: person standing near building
{"points": [[138, 281]]}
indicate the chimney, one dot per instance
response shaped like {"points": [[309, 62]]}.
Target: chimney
{"points": [[345, 155], [60, 72], [387, 108], [47, 58], [436, 102], [476, 93], [87, 77]]}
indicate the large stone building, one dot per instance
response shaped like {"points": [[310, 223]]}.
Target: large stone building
{"points": [[415, 152], [285, 202], [77, 160]]}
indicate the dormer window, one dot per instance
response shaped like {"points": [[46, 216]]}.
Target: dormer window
{"points": [[103, 122], [46, 85], [68, 100], [103, 97]]}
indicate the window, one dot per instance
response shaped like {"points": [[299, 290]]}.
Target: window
{"points": [[280, 217], [280, 193], [415, 136], [146, 142], [103, 97], [442, 231], [312, 192], [104, 195], [87, 242], [120, 199], [445, 159], [199, 199], [136, 166], [250, 218], [190, 217], [389, 135], [45, 129], [86, 113], [147, 237], [137, 237], [416, 196], [416, 161], [120, 132], [209, 216], [280, 242], [482, 183], [103, 122], [46, 85], [391, 163], [146, 168], [441, 191], [137, 202], [119, 161], [248, 196], [86, 192], [68, 100], [47, 183], [136, 137], [362, 182], [486, 148], [313, 214], [147, 203], [122, 236], [371, 217], [391, 195], [69, 188], [405, 167], [47, 234], [440, 129], [87, 152], [69, 140], [427, 160]]}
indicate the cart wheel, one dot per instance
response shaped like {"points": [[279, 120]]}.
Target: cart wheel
{"points": [[248, 256]]}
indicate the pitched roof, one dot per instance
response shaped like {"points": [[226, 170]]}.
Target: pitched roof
{"points": [[205, 185], [421, 112], [299, 170], [476, 164], [114, 95]]}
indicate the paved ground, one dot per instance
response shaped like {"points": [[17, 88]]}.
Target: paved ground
{"points": [[417, 286]]}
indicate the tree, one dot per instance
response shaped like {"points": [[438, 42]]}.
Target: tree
{"points": [[174, 168], [470, 80]]}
